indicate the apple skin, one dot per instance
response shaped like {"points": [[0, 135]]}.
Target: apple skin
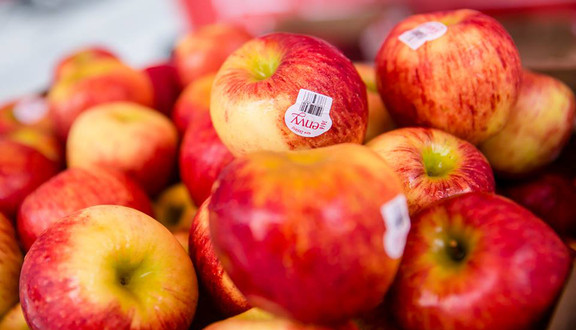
{"points": [[10, 264], [98, 82], [550, 196], [73, 62], [464, 82], [433, 164], [203, 51], [302, 233], [174, 208], [14, 319], [29, 111], [74, 189], [166, 86], [193, 102], [127, 137], [260, 81], [478, 261], [22, 170], [222, 292], [537, 130], [45, 142], [379, 120], [108, 266]]}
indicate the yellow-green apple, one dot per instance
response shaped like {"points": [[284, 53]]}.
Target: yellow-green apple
{"points": [[165, 84], [550, 196], [287, 91], [74, 189], [219, 287], [174, 208], [127, 137], [478, 261], [27, 111], [10, 263], [539, 126], [202, 157], [45, 142], [97, 82], [75, 60], [257, 319], [379, 120], [204, 50], [181, 236], [458, 71], [433, 164], [193, 102], [108, 267], [315, 235], [14, 319], [22, 169]]}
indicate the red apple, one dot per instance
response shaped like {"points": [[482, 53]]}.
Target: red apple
{"points": [[202, 157], [108, 267], [193, 102], [175, 209], [22, 169], [127, 137], [315, 235], [539, 127], [98, 82], [433, 164], [10, 263], [552, 197], [478, 261], [288, 92], [165, 84], [379, 120], [458, 71], [29, 111], [74, 189], [45, 142], [73, 62], [14, 319], [219, 287], [204, 50]]}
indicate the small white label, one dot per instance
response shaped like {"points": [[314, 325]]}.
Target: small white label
{"points": [[310, 115], [397, 220], [30, 109], [421, 34]]}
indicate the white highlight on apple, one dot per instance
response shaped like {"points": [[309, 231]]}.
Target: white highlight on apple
{"points": [[30, 109], [309, 116], [397, 220], [418, 36]]}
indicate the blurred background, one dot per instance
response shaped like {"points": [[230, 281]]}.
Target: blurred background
{"points": [[35, 34]]}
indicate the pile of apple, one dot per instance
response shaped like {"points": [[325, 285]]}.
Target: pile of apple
{"points": [[270, 183]]}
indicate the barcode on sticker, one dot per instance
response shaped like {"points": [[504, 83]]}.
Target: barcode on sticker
{"points": [[309, 116], [397, 220], [313, 103], [418, 36]]}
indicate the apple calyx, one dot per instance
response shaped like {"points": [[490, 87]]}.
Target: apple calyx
{"points": [[438, 161]]}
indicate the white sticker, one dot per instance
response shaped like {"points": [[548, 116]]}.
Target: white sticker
{"points": [[421, 34], [397, 220], [30, 109], [310, 115]]}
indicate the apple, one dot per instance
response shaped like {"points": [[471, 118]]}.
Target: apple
{"points": [[174, 208], [107, 267], [204, 50], [29, 111], [256, 319], [539, 126], [379, 120], [14, 319], [287, 91], [22, 169], [10, 263], [182, 236], [193, 102], [478, 261], [458, 71], [314, 235], [75, 60], [98, 82], [74, 189], [550, 196], [433, 164], [127, 137], [45, 142], [202, 157], [166, 86], [222, 292]]}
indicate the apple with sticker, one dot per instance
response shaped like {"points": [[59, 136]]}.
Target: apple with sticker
{"points": [[278, 92], [315, 235]]}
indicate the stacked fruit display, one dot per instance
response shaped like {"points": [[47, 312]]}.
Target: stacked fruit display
{"points": [[268, 182]]}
